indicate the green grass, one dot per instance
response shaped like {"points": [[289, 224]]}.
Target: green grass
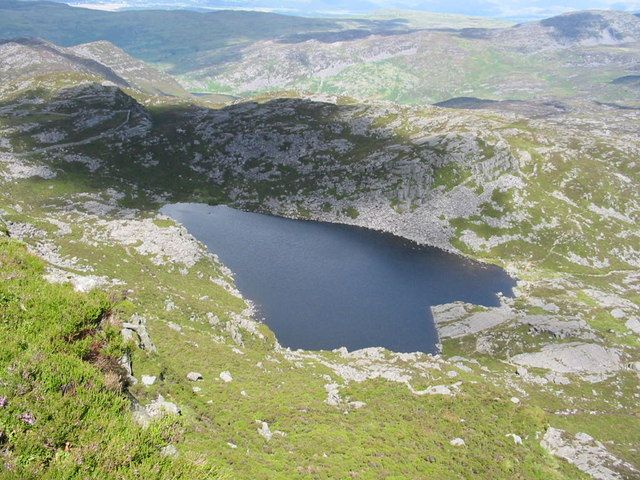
{"points": [[66, 415], [450, 176]]}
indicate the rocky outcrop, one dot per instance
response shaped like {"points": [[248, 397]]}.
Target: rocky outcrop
{"points": [[558, 327], [587, 454], [136, 327], [154, 410], [591, 361], [460, 319]]}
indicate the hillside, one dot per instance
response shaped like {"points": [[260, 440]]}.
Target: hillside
{"points": [[177, 40], [26, 58], [404, 57], [568, 56], [550, 193]]}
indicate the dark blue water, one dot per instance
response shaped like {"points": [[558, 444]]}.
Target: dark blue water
{"points": [[323, 286]]}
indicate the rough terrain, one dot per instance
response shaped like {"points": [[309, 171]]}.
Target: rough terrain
{"points": [[544, 386]]}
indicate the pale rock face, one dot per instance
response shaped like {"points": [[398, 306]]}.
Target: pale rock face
{"points": [[558, 327], [148, 380], [164, 245], [458, 319], [226, 377], [587, 454], [592, 361], [633, 324]]}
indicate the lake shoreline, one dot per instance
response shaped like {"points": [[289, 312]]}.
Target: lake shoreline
{"points": [[385, 284]]}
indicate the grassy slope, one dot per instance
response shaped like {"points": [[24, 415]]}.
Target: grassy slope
{"points": [[66, 415], [396, 434]]}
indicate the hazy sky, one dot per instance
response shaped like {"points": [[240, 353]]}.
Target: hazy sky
{"points": [[513, 9]]}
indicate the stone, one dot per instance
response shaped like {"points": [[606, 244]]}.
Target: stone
{"points": [[28, 418], [169, 451], [457, 442], [264, 431], [333, 395], [433, 390], [557, 378], [137, 324], [633, 324], [515, 400], [439, 390], [125, 362], [155, 410], [226, 377], [174, 326], [617, 313], [517, 439], [148, 380], [194, 376]]}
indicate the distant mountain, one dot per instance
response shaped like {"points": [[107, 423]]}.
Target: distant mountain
{"points": [[32, 57], [584, 28], [28, 58], [404, 57], [519, 11], [178, 39], [432, 64], [135, 72]]}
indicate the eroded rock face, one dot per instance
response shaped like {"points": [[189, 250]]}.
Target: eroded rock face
{"points": [[589, 360], [163, 244], [137, 325], [460, 319], [587, 454]]}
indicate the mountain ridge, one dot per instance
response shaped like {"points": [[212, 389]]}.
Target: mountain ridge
{"points": [[24, 58]]}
